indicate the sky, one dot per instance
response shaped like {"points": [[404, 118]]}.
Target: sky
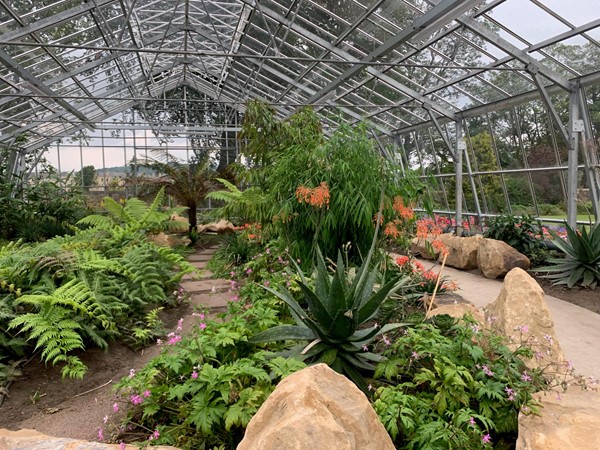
{"points": [[531, 22]]}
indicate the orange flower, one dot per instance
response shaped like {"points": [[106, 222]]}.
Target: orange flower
{"points": [[390, 230], [317, 197], [402, 260], [406, 212], [439, 246]]}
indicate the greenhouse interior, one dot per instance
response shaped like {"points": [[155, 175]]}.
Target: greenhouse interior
{"points": [[252, 187]]}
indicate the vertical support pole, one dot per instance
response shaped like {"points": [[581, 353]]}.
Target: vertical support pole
{"points": [[590, 155], [458, 152], [575, 128], [472, 179]]}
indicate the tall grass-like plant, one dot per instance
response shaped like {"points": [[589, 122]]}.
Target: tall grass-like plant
{"points": [[581, 264]]}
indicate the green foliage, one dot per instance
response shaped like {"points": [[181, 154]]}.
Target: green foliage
{"points": [[523, 233], [249, 205], [335, 324], [581, 264], [71, 292], [135, 215], [203, 390], [450, 388]]}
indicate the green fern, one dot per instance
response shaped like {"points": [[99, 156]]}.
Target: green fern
{"points": [[135, 215], [54, 332], [247, 205]]}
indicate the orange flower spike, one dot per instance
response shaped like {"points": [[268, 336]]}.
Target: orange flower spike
{"points": [[440, 246], [390, 230]]}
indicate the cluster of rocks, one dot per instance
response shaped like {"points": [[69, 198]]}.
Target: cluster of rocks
{"points": [[494, 258]]}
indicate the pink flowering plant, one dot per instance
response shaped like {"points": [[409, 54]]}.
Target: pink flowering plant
{"points": [[205, 386], [456, 385]]}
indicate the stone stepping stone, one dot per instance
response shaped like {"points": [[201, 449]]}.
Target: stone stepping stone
{"points": [[199, 264], [211, 301], [205, 286], [199, 275], [199, 257]]}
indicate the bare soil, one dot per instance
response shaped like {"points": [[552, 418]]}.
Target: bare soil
{"points": [[40, 399]]}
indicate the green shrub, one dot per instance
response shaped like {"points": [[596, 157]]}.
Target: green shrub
{"points": [[71, 292], [455, 388], [203, 389], [581, 264], [523, 233]]}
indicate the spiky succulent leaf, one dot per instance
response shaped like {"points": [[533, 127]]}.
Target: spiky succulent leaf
{"points": [[283, 333]]}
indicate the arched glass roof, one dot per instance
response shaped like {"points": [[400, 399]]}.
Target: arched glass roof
{"points": [[66, 65]]}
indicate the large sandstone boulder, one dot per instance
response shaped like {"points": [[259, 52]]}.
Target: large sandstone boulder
{"points": [[220, 227], [462, 251], [496, 258], [316, 408], [567, 421], [521, 313], [33, 440], [169, 240]]}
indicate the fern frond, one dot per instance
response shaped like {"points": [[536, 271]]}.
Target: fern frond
{"points": [[98, 221], [118, 212]]}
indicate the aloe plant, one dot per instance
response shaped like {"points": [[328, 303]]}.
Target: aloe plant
{"points": [[581, 264], [335, 323]]}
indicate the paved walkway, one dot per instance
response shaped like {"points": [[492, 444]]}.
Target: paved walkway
{"points": [[577, 329]]}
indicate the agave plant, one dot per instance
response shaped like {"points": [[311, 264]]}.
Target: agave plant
{"points": [[335, 324], [581, 264]]}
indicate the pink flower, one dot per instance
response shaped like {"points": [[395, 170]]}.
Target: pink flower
{"points": [[487, 371], [510, 392], [136, 399], [100, 434], [105, 419], [194, 375], [173, 338], [525, 376], [131, 373], [234, 298], [180, 324], [122, 446], [202, 326], [386, 341], [472, 421], [115, 407], [486, 438], [267, 283], [147, 393], [365, 348], [249, 271]]}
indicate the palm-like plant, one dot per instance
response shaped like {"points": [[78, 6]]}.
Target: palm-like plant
{"points": [[335, 324], [188, 182], [581, 264]]}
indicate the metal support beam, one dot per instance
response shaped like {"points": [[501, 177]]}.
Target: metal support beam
{"points": [[432, 20], [590, 156], [458, 152], [512, 50], [551, 109], [575, 130], [348, 57], [37, 84]]}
